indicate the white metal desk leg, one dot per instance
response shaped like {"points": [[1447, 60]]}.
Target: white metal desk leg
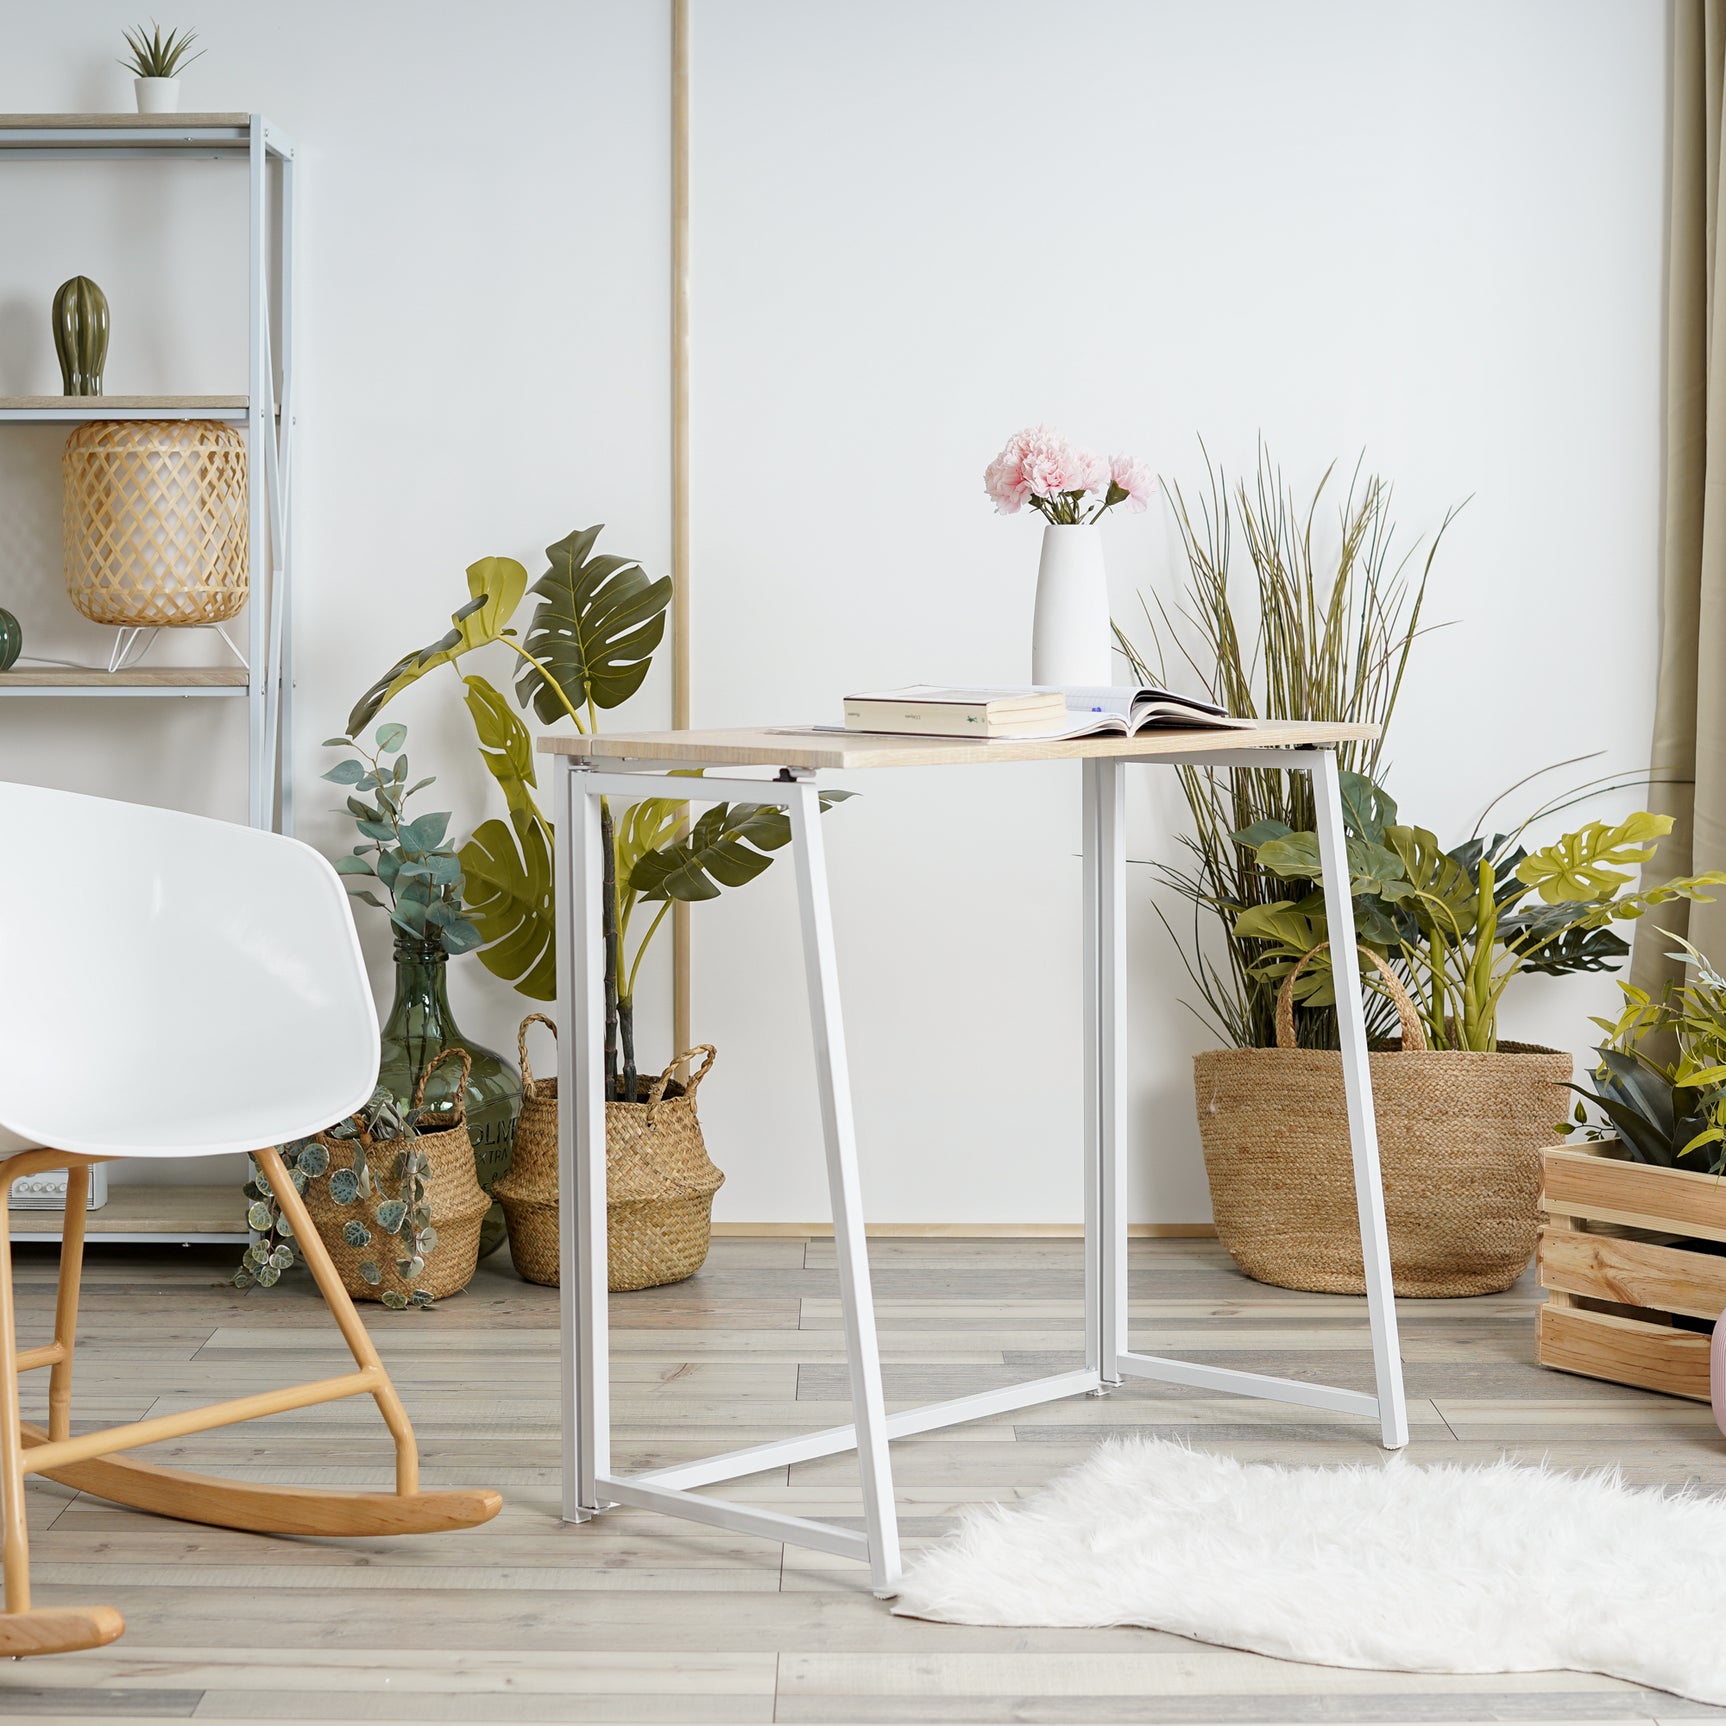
{"points": [[832, 1071], [1105, 932], [1357, 1084], [583, 1298]]}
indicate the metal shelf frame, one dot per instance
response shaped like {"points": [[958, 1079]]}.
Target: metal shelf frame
{"points": [[267, 410]]}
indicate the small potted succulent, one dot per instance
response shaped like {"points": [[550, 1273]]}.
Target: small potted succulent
{"points": [[155, 65]]}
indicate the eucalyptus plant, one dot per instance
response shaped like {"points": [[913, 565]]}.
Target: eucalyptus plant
{"points": [[588, 648], [1316, 635], [1459, 923], [410, 859], [400, 1226], [159, 56]]}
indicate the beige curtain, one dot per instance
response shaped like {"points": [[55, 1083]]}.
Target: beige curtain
{"points": [[1690, 719]]}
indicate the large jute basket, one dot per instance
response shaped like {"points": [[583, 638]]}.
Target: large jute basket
{"points": [[1459, 1134], [457, 1204], [154, 521], [659, 1181]]}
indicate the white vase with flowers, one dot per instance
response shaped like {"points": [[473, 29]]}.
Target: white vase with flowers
{"points": [[1072, 639]]}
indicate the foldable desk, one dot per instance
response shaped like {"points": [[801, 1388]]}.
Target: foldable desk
{"points": [[627, 768]]}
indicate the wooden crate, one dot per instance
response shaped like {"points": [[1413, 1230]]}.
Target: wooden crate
{"points": [[1612, 1293]]}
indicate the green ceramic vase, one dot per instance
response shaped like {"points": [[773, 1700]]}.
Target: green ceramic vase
{"points": [[420, 1026], [81, 336], [11, 641]]}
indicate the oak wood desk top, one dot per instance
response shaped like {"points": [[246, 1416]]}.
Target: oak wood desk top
{"points": [[793, 746]]}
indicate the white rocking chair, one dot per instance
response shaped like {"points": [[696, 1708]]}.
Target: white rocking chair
{"points": [[175, 987]]}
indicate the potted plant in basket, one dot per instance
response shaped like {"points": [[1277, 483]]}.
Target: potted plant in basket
{"points": [[1462, 1115], [427, 1184], [411, 860], [588, 648], [1632, 1252], [1331, 639]]}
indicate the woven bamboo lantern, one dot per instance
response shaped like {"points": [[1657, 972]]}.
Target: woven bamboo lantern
{"points": [[154, 521]]}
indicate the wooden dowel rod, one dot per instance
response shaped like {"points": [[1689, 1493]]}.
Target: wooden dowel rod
{"points": [[43, 1458], [49, 1354], [680, 654]]}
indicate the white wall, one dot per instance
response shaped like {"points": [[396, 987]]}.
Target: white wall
{"points": [[1432, 231]]}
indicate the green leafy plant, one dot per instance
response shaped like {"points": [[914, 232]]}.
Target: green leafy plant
{"points": [[588, 648], [1319, 636], [1663, 1107], [410, 859], [404, 1222], [159, 56], [1459, 923]]}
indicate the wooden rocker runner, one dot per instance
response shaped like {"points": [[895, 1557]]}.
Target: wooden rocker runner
{"points": [[175, 987]]}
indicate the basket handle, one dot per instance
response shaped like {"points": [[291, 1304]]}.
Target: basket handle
{"points": [[1413, 1037], [461, 1089], [656, 1090], [527, 1079]]}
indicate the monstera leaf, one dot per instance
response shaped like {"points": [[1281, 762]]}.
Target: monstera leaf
{"points": [[598, 622], [509, 900], [1448, 890], [503, 743], [1579, 868], [1367, 809], [496, 585], [644, 827], [1295, 856], [728, 846]]}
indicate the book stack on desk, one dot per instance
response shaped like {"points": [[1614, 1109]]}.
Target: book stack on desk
{"points": [[1030, 711]]}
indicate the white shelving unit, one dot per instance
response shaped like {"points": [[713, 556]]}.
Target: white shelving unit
{"points": [[266, 412]]}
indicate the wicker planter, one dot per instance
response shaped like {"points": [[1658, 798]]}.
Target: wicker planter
{"points": [[659, 1182], [154, 521], [1459, 1135], [457, 1204], [1618, 1274]]}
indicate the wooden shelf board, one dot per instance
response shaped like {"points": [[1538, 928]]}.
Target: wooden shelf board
{"points": [[60, 410], [169, 1213], [116, 122], [109, 137], [160, 677]]}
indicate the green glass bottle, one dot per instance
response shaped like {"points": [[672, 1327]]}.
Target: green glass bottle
{"points": [[420, 1025]]}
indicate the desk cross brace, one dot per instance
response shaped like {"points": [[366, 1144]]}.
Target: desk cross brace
{"points": [[590, 1486]]}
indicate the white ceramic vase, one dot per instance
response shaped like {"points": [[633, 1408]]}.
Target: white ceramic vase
{"points": [[1071, 640], [157, 95]]}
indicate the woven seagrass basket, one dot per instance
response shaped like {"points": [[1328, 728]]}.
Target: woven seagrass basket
{"points": [[154, 521], [1459, 1134], [659, 1182], [457, 1204]]}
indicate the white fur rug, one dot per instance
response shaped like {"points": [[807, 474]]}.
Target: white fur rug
{"points": [[1495, 1568]]}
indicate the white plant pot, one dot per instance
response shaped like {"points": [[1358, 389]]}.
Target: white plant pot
{"points": [[1071, 641], [157, 95]]}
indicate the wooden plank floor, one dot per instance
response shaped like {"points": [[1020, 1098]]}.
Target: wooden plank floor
{"points": [[638, 1618]]}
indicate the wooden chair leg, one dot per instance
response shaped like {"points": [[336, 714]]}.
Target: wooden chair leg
{"points": [[348, 1321], [15, 1545], [66, 1300], [42, 1630], [86, 1464]]}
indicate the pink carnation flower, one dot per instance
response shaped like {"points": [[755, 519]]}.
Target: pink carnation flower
{"points": [[1039, 462], [1135, 479]]}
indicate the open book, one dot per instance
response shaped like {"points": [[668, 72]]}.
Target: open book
{"points": [[1031, 711]]}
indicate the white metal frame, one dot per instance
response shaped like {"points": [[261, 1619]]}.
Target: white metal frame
{"points": [[590, 1486], [269, 418]]}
